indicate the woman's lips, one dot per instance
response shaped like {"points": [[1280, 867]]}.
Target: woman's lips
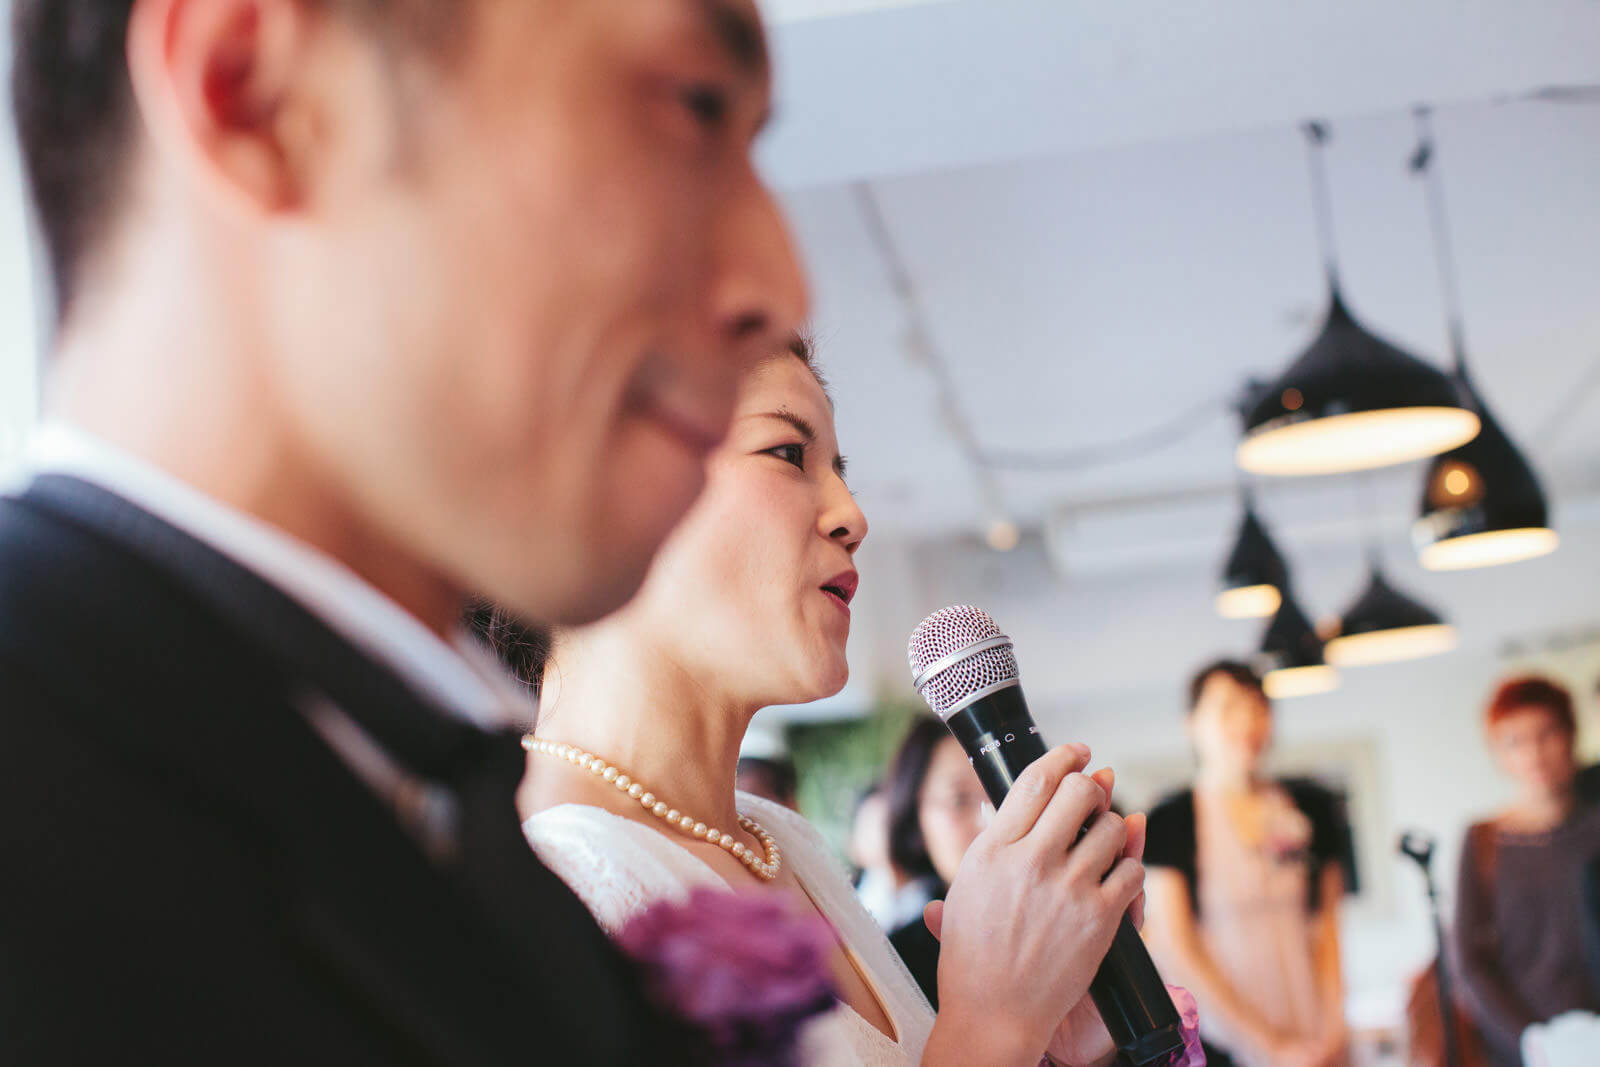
{"points": [[842, 588]]}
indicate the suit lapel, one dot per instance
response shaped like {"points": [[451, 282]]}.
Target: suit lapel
{"points": [[360, 904]]}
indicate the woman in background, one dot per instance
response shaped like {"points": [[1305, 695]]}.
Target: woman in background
{"points": [[630, 791], [890, 895], [1519, 907], [937, 808], [1245, 884]]}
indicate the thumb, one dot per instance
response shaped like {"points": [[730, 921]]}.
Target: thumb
{"points": [[933, 915]]}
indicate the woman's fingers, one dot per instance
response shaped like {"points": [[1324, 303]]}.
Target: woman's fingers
{"points": [[1099, 849], [1137, 824], [1124, 884], [1034, 790], [1106, 778]]}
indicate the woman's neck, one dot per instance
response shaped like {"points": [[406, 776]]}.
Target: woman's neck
{"points": [[644, 713], [1214, 779]]}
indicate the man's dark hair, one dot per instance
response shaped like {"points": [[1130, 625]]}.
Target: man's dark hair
{"points": [[907, 849], [75, 112], [1242, 673]]}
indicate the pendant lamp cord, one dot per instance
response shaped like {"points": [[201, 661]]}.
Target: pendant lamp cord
{"points": [[1369, 497], [1422, 163], [922, 348], [1316, 140]]}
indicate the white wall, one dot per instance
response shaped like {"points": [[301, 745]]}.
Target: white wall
{"points": [[18, 341]]}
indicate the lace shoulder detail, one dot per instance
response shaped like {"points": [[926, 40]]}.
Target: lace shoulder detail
{"points": [[617, 867]]}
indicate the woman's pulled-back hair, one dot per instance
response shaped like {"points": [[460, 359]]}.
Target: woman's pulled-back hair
{"points": [[523, 648]]}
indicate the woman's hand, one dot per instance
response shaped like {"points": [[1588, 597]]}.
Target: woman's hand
{"points": [[1031, 914], [1082, 1037]]}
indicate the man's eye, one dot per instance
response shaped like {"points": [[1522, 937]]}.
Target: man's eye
{"points": [[707, 103], [791, 454]]}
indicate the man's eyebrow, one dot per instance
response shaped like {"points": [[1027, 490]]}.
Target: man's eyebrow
{"points": [[740, 34]]}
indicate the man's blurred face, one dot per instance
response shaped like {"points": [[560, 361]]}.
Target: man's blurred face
{"points": [[519, 331]]}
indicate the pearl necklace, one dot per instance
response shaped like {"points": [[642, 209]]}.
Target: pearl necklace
{"points": [[764, 869]]}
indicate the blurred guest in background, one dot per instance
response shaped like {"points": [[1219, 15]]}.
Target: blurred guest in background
{"points": [[1519, 907], [768, 777], [877, 881], [1245, 885], [937, 808]]}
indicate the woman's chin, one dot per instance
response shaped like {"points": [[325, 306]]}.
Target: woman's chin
{"points": [[825, 677]]}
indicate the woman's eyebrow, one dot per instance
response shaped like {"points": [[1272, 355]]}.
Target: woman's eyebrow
{"points": [[801, 425]]}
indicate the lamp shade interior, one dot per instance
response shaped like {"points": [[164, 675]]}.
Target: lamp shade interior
{"points": [[1249, 602], [1290, 682], [1291, 660], [1482, 504], [1254, 575], [1353, 401], [1391, 646]]}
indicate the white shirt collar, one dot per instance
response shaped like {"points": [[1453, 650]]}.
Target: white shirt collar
{"points": [[459, 675]]}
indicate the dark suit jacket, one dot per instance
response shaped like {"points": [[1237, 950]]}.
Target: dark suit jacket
{"points": [[188, 875]]}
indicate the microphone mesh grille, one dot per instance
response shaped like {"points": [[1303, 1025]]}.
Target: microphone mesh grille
{"points": [[947, 632]]}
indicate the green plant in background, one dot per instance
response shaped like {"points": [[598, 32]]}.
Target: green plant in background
{"points": [[835, 761]]}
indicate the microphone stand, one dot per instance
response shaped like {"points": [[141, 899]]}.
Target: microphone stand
{"points": [[1418, 847]]}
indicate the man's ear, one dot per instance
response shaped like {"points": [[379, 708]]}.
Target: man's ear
{"points": [[219, 88]]}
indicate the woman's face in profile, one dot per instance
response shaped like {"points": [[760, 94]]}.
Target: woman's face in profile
{"points": [[1231, 725], [952, 808], [1534, 750], [754, 589]]}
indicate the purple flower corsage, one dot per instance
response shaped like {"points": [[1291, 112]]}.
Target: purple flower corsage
{"points": [[739, 969], [1192, 1055]]}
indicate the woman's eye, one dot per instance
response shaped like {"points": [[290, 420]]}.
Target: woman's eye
{"points": [[707, 103], [791, 454]]}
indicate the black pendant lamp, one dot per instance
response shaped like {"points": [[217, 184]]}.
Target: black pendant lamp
{"points": [[1351, 401], [1384, 626], [1255, 575], [1482, 503], [1291, 659]]}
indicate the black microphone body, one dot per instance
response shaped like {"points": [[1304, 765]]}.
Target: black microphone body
{"points": [[1000, 738]]}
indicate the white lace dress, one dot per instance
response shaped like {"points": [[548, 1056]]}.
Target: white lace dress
{"points": [[619, 867]]}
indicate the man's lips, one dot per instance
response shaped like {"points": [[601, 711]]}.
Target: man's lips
{"points": [[843, 586], [669, 402]]}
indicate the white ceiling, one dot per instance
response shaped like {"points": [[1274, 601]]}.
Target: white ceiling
{"points": [[1106, 214], [1083, 299], [917, 87]]}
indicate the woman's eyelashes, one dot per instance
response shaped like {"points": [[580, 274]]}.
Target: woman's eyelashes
{"points": [[792, 454]]}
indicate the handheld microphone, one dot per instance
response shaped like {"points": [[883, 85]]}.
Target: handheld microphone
{"points": [[966, 670]]}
